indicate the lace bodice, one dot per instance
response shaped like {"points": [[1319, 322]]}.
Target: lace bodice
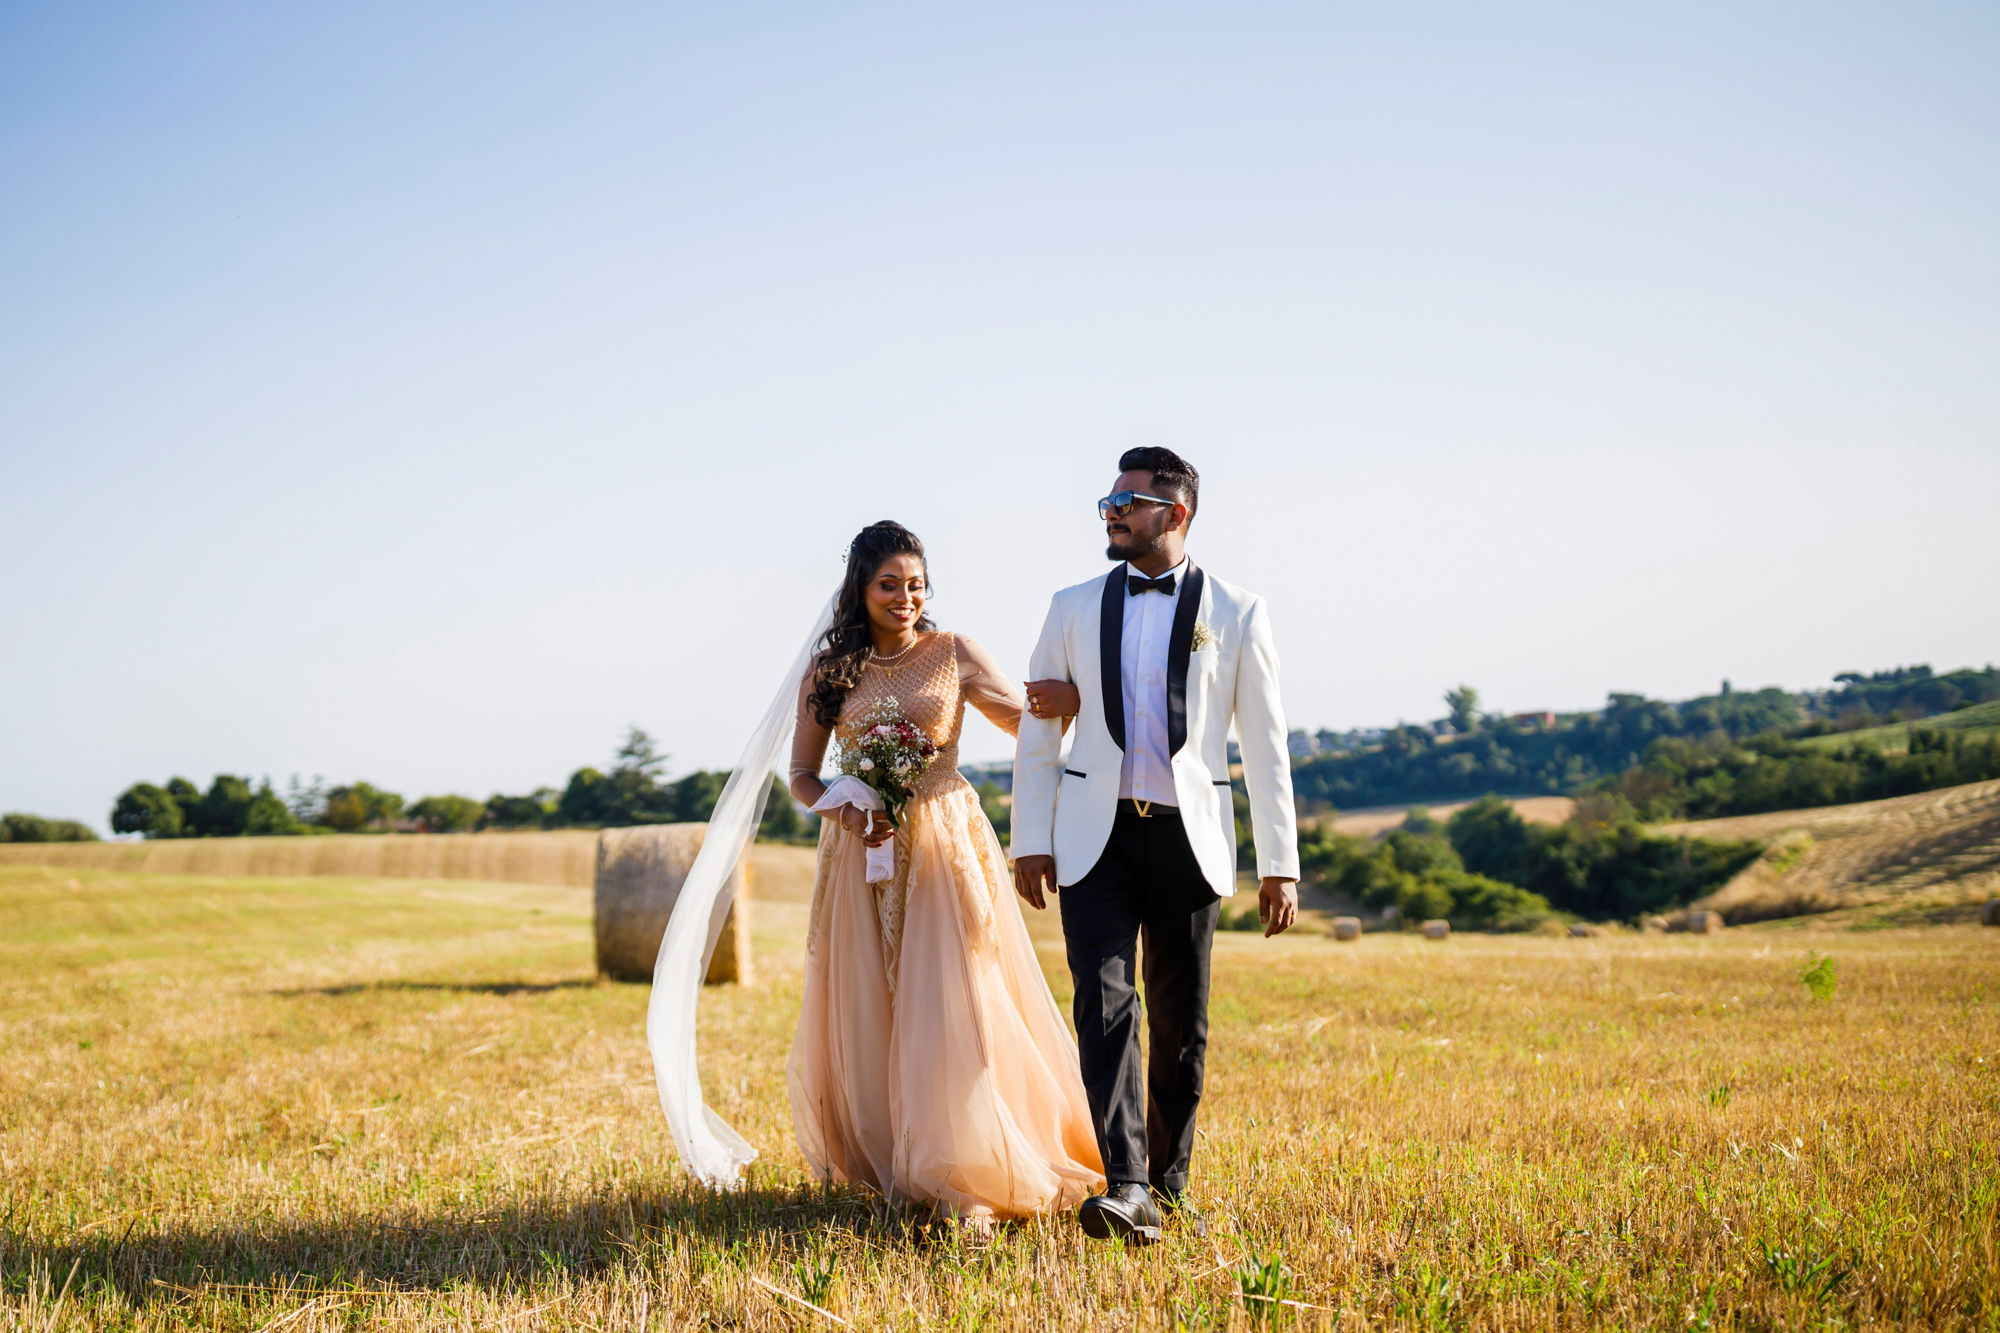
{"points": [[932, 682]]}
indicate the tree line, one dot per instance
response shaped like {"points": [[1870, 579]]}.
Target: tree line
{"points": [[1476, 753], [632, 791], [1486, 868], [1711, 777]]}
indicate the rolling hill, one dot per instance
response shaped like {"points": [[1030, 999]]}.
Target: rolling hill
{"points": [[1930, 858]]}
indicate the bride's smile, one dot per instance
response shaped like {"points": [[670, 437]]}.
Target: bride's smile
{"points": [[895, 602]]}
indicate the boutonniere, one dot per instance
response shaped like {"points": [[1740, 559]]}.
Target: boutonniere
{"points": [[1203, 635]]}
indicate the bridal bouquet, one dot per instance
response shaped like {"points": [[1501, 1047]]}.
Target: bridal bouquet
{"points": [[889, 754]]}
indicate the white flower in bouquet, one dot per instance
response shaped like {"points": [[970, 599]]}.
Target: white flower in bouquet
{"points": [[865, 765]]}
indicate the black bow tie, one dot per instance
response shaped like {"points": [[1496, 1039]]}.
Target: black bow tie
{"points": [[1136, 584]]}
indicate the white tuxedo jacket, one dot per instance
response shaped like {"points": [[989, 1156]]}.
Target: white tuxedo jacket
{"points": [[1064, 804]]}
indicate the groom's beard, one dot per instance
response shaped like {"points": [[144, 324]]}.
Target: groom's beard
{"points": [[1129, 545]]}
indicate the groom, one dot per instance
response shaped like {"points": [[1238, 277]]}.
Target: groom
{"points": [[1136, 826]]}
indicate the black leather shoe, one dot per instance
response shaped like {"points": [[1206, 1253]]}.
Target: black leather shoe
{"points": [[1176, 1207], [1126, 1211]]}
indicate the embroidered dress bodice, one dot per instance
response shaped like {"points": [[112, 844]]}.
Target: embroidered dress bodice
{"points": [[931, 682]]}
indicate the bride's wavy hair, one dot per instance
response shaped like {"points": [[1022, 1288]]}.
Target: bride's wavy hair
{"points": [[844, 651]]}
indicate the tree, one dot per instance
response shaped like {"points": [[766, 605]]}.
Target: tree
{"points": [[18, 827], [1492, 839], [583, 800], [783, 821], [1419, 819], [149, 810], [1464, 705], [1426, 855], [639, 754], [513, 812], [361, 805], [447, 814], [693, 798], [224, 809], [307, 800], [269, 816]]}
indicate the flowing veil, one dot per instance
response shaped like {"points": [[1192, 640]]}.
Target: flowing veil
{"points": [[712, 1152]]}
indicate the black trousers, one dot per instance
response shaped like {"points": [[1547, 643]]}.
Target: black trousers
{"points": [[1145, 887]]}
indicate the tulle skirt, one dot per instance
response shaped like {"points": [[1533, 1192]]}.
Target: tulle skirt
{"points": [[931, 1063]]}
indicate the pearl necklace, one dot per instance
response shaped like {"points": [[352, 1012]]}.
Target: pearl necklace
{"points": [[876, 659]]}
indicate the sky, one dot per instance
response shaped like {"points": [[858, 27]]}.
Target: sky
{"points": [[425, 393]]}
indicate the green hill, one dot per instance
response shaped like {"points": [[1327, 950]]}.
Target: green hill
{"points": [[1894, 738]]}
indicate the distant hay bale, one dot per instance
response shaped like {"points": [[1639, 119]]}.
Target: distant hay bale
{"points": [[639, 877], [1437, 930], [1653, 924], [1989, 915], [1705, 923], [1583, 930], [1347, 927]]}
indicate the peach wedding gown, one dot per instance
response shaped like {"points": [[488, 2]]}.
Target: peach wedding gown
{"points": [[931, 1063]]}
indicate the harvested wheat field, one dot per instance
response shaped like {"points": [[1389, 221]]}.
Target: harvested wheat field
{"points": [[1374, 819], [307, 1104], [1928, 858], [555, 857]]}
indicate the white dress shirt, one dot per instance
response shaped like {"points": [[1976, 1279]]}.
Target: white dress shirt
{"points": [[1146, 774]]}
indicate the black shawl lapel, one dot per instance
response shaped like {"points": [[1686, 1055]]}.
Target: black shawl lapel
{"points": [[1179, 649], [1111, 653]]}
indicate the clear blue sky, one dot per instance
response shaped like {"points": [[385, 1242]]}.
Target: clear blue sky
{"points": [[424, 392]]}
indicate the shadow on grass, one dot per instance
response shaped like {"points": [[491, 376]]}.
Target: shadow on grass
{"points": [[462, 987], [503, 1248]]}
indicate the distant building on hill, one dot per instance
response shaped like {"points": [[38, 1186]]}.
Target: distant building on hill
{"points": [[1544, 719], [1302, 744]]}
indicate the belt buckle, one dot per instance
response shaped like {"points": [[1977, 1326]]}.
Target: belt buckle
{"points": [[1144, 808]]}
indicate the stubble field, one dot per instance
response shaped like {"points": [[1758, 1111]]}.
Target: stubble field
{"points": [[305, 1104]]}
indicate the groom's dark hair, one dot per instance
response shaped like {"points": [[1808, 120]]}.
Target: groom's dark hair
{"points": [[1171, 473]]}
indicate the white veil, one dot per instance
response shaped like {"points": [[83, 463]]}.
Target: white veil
{"points": [[712, 1152]]}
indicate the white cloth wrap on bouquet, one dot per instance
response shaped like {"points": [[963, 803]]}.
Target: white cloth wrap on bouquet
{"points": [[845, 790]]}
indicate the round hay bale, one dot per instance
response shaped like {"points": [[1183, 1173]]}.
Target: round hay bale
{"points": [[1347, 927], [639, 876], [1583, 930], [1654, 924], [1989, 915], [1437, 930], [1705, 923]]}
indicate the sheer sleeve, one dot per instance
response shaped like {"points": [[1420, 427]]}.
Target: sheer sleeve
{"points": [[987, 687], [809, 742]]}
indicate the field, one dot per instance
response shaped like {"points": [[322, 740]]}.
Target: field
{"points": [[559, 856], [1979, 719], [1381, 818], [1930, 858], [299, 1104]]}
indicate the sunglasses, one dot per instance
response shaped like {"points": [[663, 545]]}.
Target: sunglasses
{"points": [[1119, 503]]}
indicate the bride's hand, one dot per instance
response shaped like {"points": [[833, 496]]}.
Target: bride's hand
{"points": [[1053, 698], [871, 826]]}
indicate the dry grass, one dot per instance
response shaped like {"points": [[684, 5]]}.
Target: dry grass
{"points": [[1924, 859], [294, 1105], [1382, 818], [557, 856]]}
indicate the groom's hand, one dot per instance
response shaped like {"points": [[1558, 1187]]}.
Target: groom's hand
{"points": [[1052, 698], [1277, 904], [1033, 877]]}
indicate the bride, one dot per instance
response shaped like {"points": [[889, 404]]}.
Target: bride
{"points": [[931, 1064]]}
